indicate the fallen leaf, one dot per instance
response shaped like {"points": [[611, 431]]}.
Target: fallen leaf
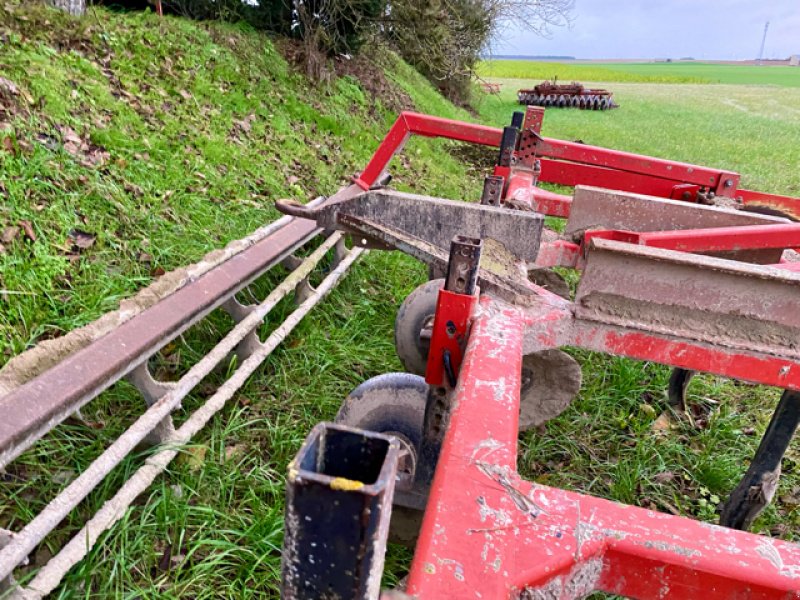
{"points": [[157, 272], [292, 179], [68, 135], [133, 189], [63, 477], [9, 234], [8, 144], [2, 249], [664, 477], [648, 409], [233, 451], [28, 229], [185, 95], [81, 239], [8, 87], [663, 423], [193, 457], [164, 561], [72, 148], [42, 556], [144, 257]]}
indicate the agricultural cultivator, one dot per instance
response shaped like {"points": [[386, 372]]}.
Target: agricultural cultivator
{"points": [[570, 95], [678, 265]]}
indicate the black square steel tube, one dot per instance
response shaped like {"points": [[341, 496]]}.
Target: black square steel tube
{"points": [[338, 506]]}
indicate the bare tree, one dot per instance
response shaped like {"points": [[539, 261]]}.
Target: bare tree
{"points": [[73, 7], [537, 16]]}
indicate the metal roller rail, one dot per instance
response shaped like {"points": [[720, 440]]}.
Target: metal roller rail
{"points": [[51, 574], [39, 405]]}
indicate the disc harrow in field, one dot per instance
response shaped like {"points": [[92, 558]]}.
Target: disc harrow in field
{"points": [[573, 95]]}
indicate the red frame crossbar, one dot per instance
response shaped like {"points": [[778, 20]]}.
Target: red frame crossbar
{"points": [[573, 163], [489, 534]]}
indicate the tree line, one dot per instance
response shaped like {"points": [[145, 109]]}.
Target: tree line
{"points": [[443, 39]]}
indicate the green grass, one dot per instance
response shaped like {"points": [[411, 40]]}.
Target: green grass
{"points": [[530, 69], [678, 72], [778, 75], [183, 176], [725, 126]]}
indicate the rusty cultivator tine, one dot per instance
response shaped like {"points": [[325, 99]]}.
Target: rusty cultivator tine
{"points": [[759, 484]]}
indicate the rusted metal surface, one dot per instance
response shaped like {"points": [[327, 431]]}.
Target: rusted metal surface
{"points": [[36, 407], [338, 506], [570, 95], [492, 190], [692, 297], [596, 208], [24, 541], [435, 220], [487, 533], [502, 273]]}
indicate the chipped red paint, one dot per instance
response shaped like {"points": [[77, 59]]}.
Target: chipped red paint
{"points": [[718, 239], [489, 534], [571, 163], [449, 333], [559, 253]]}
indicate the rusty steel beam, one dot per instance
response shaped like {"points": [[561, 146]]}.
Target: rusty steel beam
{"points": [[597, 208], [49, 576], [34, 408], [436, 220], [722, 302], [487, 533]]}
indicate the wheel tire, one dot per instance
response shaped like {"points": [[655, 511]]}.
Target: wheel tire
{"points": [[415, 312], [394, 404], [389, 403]]}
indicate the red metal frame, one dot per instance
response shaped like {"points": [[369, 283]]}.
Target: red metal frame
{"points": [[718, 239], [572, 163], [449, 333], [487, 533]]}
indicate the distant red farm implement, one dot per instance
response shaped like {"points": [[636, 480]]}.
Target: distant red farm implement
{"points": [[570, 95]]}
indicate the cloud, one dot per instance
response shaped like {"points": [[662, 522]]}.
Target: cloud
{"points": [[723, 29]]}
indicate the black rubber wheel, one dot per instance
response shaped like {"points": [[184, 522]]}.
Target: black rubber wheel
{"points": [[415, 313], [394, 404], [389, 403]]}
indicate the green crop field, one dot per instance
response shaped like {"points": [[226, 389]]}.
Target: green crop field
{"points": [[539, 70], [216, 126], [680, 72], [736, 74]]}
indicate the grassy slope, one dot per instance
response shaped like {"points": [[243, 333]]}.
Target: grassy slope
{"points": [[187, 170], [212, 526]]}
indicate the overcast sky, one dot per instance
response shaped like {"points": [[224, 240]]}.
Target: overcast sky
{"points": [[724, 29]]}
